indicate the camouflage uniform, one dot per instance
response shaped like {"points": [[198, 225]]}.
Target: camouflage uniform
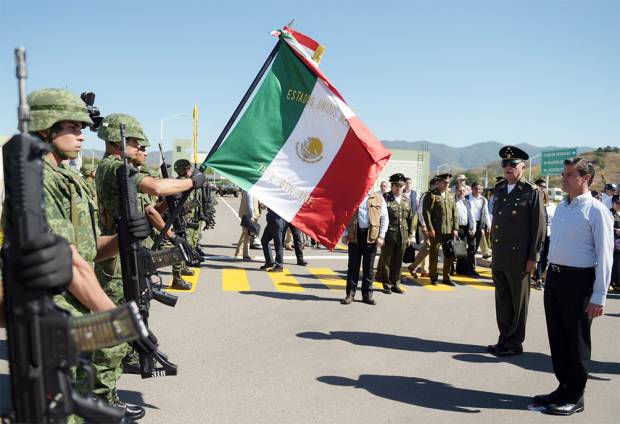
{"points": [[109, 271], [72, 213], [87, 171], [193, 235]]}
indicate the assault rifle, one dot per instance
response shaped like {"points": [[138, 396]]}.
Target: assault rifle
{"points": [[43, 341], [137, 269], [176, 219]]}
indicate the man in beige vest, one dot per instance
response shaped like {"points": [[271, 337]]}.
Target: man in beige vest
{"points": [[364, 234], [249, 208]]}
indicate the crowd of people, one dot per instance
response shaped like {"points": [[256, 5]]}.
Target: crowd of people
{"points": [[570, 249]]}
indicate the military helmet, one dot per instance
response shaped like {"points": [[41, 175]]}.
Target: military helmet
{"points": [[110, 129], [52, 105], [181, 165]]}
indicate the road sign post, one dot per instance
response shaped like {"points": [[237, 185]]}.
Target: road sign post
{"points": [[552, 162]]}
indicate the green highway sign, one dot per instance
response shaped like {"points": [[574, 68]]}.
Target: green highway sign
{"points": [[552, 161]]}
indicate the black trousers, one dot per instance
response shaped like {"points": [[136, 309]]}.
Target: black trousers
{"points": [[615, 270], [273, 231], [467, 265], [542, 263], [362, 253], [567, 295], [298, 243]]}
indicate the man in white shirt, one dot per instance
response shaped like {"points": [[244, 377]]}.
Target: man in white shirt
{"points": [[467, 230], [481, 216], [580, 261], [610, 190]]}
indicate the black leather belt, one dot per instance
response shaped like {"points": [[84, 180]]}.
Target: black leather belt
{"points": [[566, 268]]}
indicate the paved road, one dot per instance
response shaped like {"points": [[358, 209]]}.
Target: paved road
{"points": [[254, 347]]}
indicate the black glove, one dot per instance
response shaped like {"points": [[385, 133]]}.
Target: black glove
{"points": [[199, 179], [45, 262], [178, 240], [139, 227]]}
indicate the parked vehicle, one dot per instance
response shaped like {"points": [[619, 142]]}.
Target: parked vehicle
{"points": [[555, 194], [228, 188]]}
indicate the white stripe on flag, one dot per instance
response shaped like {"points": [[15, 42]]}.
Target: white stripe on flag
{"points": [[288, 181]]}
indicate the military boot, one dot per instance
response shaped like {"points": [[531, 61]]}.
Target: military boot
{"points": [[187, 271], [180, 284], [131, 363], [133, 412]]}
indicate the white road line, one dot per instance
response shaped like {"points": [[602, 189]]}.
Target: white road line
{"points": [[235, 213]]}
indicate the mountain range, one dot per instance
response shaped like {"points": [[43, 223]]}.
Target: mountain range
{"points": [[473, 156]]}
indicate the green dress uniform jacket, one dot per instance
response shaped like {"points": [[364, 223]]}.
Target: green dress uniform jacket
{"points": [[517, 233], [440, 212], [519, 225], [440, 216], [399, 230]]}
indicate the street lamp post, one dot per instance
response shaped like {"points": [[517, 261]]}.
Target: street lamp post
{"points": [[161, 128]]}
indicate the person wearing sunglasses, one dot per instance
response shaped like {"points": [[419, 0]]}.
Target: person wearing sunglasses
{"points": [[517, 234]]}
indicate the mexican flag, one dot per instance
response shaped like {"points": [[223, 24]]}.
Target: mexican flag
{"points": [[300, 149]]}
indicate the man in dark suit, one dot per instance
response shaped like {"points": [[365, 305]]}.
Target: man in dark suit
{"points": [[517, 233]]}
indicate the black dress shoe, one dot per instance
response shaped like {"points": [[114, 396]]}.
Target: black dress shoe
{"points": [[276, 268], [434, 281], [448, 282], [267, 267], [548, 399], [347, 300], [564, 408], [508, 351], [302, 262], [397, 289], [387, 289], [369, 301], [493, 349]]}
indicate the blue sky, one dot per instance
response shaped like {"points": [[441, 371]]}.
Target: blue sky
{"points": [[455, 72]]}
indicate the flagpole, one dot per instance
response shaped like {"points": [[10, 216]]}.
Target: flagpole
{"points": [[244, 100]]}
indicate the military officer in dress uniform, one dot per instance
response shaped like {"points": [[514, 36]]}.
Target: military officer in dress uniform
{"points": [[398, 236], [439, 212], [518, 230]]}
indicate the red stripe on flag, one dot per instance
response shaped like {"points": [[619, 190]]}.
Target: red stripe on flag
{"points": [[336, 197], [303, 39]]}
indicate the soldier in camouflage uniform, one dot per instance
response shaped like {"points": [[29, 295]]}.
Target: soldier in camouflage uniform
{"points": [[108, 193], [58, 117], [183, 169], [398, 236], [88, 172]]}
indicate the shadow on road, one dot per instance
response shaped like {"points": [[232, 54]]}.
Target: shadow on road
{"points": [[541, 362], [533, 361], [391, 341], [430, 394], [136, 398], [290, 296], [613, 315]]}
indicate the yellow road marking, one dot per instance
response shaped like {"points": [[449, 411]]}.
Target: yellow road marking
{"points": [[426, 283], [235, 280], [329, 278], [193, 279], [476, 283], [285, 282]]}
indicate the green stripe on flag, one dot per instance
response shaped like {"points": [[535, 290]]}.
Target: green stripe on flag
{"points": [[268, 121]]}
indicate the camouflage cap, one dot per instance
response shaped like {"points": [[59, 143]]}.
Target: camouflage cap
{"points": [[180, 165], [110, 129], [52, 105]]}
